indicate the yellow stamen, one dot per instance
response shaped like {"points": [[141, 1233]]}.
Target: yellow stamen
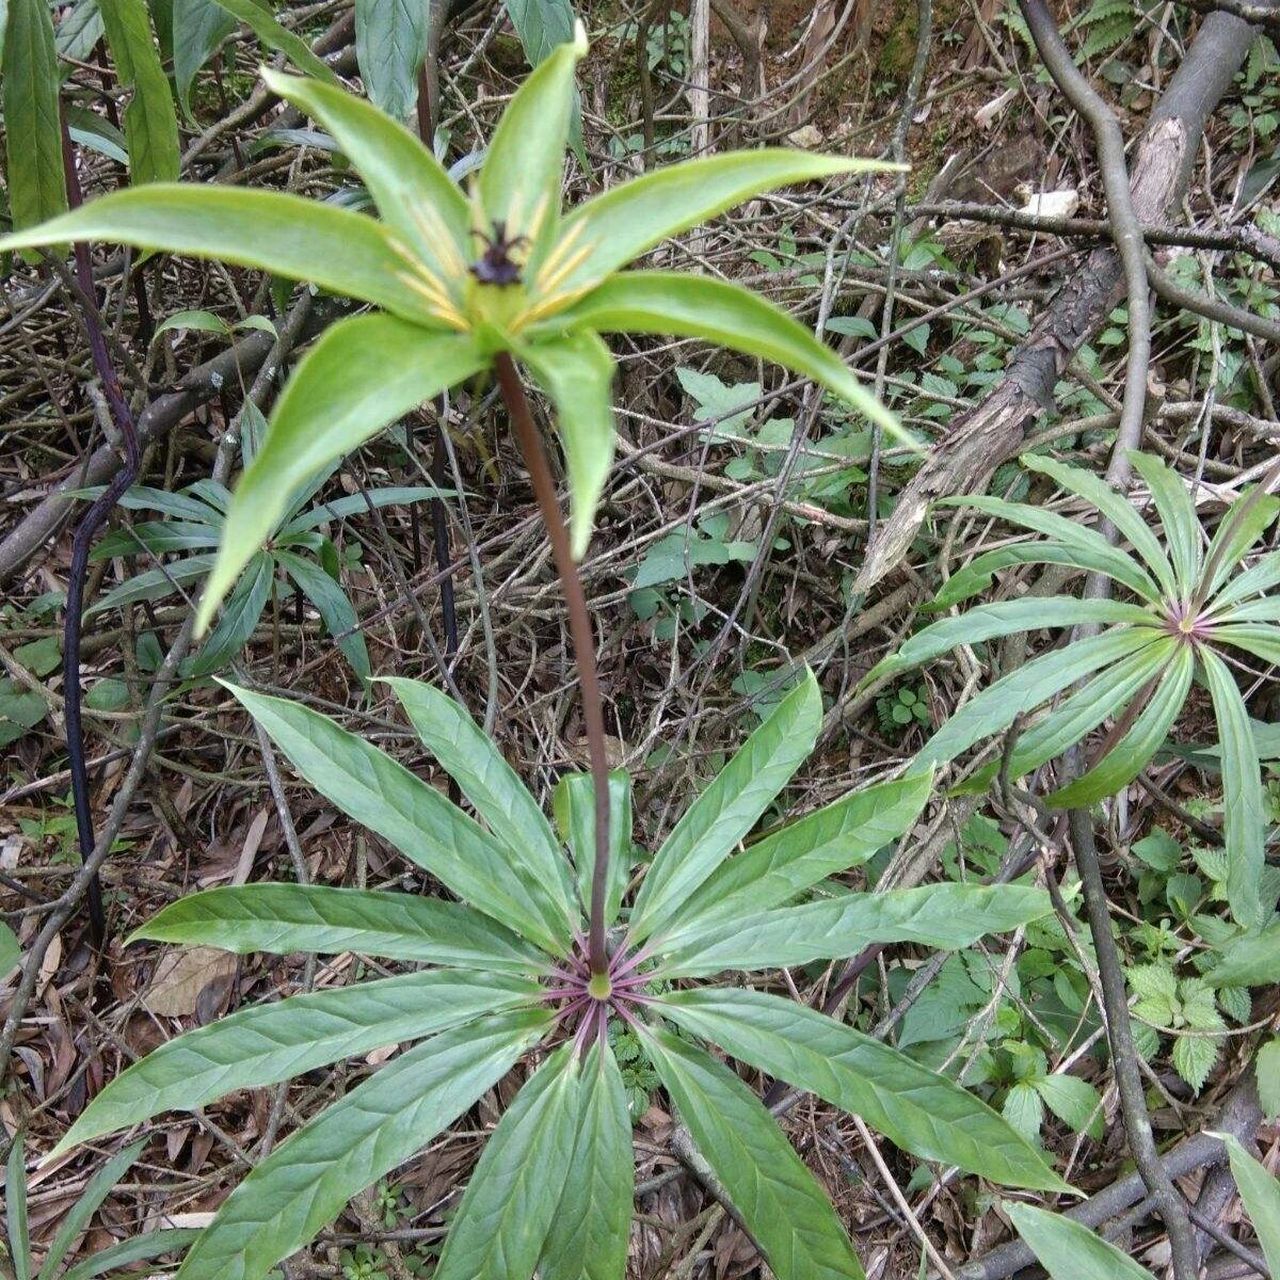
{"points": [[438, 237], [539, 213], [549, 306], [439, 307], [549, 282], [560, 249]]}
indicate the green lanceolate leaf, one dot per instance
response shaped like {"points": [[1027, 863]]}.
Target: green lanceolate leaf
{"points": [[519, 183], [138, 1249], [335, 610], [10, 951], [240, 615], [776, 869], [199, 26], [272, 1042], [978, 575], [611, 229], [1093, 551], [283, 918], [15, 1209], [939, 915], [576, 372], [541, 26], [919, 1110], [1257, 638], [159, 537], [1261, 1195], [36, 180], [510, 1202], [1245, 522], [1116, 507], [990, 621], [1177, 515], [154, 584], [391, 43], [471, 758], [280, 39], [357, 504], [77, 1218], [777, 1198], [284, 234], [1068, 1250], [591, 1229], [362, 374], [150, 122], [1251, 961], [729, 807], [1000, 704], [371, 787], [305, 1182], [574, 806], [664, 302], [1132, 753], [416, 198], [1086, 708], [1241, 791]]}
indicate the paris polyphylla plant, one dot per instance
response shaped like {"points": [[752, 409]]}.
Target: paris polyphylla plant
{"points": [[511, 976]]}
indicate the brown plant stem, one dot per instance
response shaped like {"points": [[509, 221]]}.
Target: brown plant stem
{"points": [[535, 460]]}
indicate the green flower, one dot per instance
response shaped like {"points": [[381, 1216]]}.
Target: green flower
{"points": [[460, 280]]}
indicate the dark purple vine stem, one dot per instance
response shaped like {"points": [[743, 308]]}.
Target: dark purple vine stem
{"points": [[82, 542]]}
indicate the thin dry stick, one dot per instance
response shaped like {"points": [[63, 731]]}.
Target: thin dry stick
{"points": [[544, 488], [900, 1200]]}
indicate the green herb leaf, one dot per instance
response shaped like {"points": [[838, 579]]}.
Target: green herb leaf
{"points": [[416, 198], [283, 234], [1177, 515], [150, 122], [335, 609], [573, 804], [381, 793], [1070, 1251], [283, 918], [362, 374], [577, 373], [511, 1200], [777, 1198], [391, 43], [270, 1042], [919, 1110], [667, 303], [1241, 791], [1261, 1195], [780, 867], [473, 761], [36, 180], [937, 915], [305, 1182], [631, 218], [1128, 757], [591, 1229], [728, 808]]}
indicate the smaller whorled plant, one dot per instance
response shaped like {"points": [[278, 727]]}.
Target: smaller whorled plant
{"points": [[1190, 605], [510, 974], [295, 547]]}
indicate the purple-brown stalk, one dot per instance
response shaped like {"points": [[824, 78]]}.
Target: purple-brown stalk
{"points": [[586, 998], [535, 460]]}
